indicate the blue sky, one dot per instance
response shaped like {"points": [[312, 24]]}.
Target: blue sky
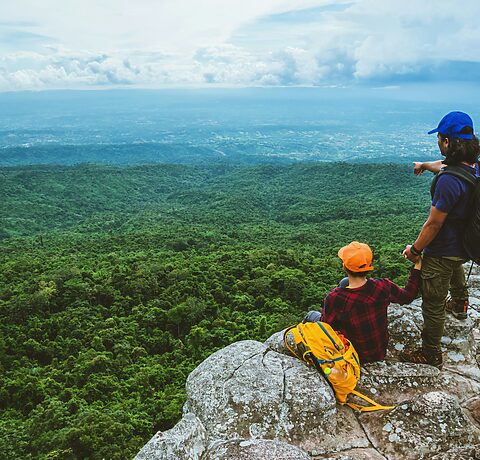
{"points": [[170, 43]]}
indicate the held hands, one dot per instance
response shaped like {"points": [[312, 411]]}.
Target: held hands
{"points": [[407, 253], [418, 263]]}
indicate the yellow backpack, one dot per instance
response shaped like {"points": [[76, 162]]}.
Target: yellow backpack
{"points": [[333, 355]]}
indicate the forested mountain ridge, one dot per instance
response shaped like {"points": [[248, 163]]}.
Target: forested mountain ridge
{"points": [[118, 281], [42, 198]]}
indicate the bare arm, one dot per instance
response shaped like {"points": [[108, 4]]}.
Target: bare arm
{"points": [[429, 231], [432, 166]]}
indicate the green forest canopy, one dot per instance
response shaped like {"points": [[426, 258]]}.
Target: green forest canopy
{"points": [[117, 281]]}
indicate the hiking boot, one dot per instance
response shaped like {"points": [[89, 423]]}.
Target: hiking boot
{"points": [[420, 356], [457, 308]]}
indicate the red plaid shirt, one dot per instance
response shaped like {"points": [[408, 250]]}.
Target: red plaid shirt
{"points": [[361, 313]]}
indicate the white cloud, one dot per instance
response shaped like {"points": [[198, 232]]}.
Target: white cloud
{"points": [[170, 25], [53, 44], [393, 39], [68, 70]]}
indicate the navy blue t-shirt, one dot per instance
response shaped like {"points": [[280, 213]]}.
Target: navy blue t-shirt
{"points": [[451, 196]]}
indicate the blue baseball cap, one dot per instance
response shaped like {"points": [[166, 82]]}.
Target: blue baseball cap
{"points": [[452, 123]]}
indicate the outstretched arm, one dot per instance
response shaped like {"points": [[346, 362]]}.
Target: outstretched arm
{"points": [[409, 292], [432, 166]]}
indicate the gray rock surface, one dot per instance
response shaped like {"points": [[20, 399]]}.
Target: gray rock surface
{"points": [[404, 327], [253, 401], [459, 453], [276, 343], [431, 423], [459, 341], [349, 434], [186, 440], [256, 449], [395, 381], [457, 384], [248, 391], [473, 406], [355, 454]]}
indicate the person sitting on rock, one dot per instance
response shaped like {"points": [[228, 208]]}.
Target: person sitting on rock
{"points": [[358, 309]]}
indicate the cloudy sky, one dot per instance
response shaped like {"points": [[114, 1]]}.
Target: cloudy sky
{"points": [[145, 43]]}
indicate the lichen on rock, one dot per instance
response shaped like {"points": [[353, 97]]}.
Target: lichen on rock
{"points": [[186, 440], [254, 401], [430, 423], [248, 391], [256, 449]]}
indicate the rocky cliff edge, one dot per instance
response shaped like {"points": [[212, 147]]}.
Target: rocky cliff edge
{"points": [[251, 401]]}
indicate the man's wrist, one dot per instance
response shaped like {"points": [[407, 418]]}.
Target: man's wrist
{"points": [[415, 251]]}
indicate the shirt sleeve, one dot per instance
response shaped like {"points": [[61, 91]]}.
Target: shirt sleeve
{"points": [[324, 309], [406, 294], [448, 191], [328, 313]]}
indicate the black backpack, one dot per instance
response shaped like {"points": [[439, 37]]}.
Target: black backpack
{"points": [[471, 234]]}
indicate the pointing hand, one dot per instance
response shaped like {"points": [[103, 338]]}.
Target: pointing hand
{"points": [[418, 168]]}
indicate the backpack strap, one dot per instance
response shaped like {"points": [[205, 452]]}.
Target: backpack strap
{"points": [[308, 356], [302, 350], [374, 406], [456, 171], [304, 353], [322, 327], [289, 348]]}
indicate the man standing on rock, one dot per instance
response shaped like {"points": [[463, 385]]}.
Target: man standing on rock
{"points": [[440, 239]]}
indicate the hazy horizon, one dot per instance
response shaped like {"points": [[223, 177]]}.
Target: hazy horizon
{"points": [[238, 125]]}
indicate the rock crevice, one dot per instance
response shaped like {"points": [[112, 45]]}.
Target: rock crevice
{"points": [[253, 401]]}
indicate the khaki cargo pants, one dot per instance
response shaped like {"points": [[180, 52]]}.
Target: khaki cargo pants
{"points": [[439, 275]]}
